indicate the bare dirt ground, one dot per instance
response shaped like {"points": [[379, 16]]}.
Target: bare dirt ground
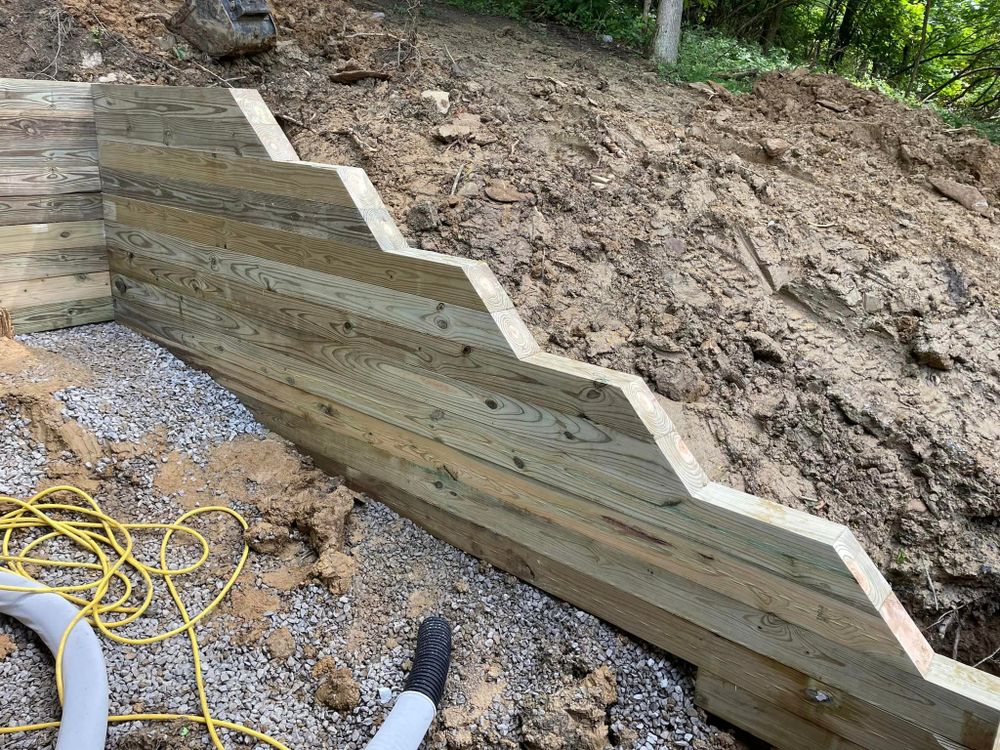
{"points": [[821, 320]]}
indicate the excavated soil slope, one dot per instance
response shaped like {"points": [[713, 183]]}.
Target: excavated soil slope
{"points": [[820, 319]]}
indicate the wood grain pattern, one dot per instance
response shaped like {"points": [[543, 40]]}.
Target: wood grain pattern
{"points": [[44, 264], [28, 238], [47, 177], [785, 730], [52, 247], [52, 289], [20, 95], [230, 121], [50, 209], [65, 313], [446, 283]]}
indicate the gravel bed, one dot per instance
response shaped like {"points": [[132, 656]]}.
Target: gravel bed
{"points": [[515, 647], [22, 460]]}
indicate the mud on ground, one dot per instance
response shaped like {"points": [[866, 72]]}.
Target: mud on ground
{"points": [[819, 318]]}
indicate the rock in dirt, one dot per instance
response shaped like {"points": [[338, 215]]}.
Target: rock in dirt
{"points": [[680, 382], [504, 192], [440, 99], [266, 538], [335, 570], [91, 60], [775, 147], [575, 717], [7, 646], [464, 126], [281, 644], [324, 520], [765, 348], [931, 349], [337, 688], [423, 217], [832, 105], [965, 195]]}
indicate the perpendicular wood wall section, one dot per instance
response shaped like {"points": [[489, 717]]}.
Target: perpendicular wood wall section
{"points": [[53, 257], [411, 373], [53, 262]]}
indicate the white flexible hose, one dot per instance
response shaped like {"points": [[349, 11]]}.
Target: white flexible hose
{"points": [[405, 726], [85, 678]]}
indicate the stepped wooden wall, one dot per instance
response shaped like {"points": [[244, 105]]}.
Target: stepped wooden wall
{"points": [[53, 265], [411, 373]]}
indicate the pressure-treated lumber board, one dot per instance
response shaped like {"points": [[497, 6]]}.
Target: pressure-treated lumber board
{"points": [[785, 731], [45, 264], [53, 289], [52, 247], [234, 121], [29, 176], [214, 271], [58, 131], [817, 701], [19, 95], [63, 314], [380, 361], [28, 238], [448, 283], [317, 182], [312, 218], [50, 209]]}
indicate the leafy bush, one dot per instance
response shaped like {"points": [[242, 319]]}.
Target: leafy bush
{"points": [[705, 55]]}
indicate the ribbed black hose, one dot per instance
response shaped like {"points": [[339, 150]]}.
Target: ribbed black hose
{"points": [[431, 659]]}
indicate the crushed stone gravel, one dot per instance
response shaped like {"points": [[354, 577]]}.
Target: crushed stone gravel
{"points": [[515, 646]]}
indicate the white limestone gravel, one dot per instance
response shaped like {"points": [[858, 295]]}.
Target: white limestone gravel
{"points": [[514, 645]]}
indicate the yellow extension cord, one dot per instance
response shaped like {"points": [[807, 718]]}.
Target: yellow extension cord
{"points": [[111, 543]]}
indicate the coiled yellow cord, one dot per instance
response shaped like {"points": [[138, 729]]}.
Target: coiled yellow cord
{"points": [[111, 543]]}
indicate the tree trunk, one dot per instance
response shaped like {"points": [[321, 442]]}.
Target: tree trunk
{"points": [[921, 49], [668, 31], [845, 35], [647, 5], [772, 27]]}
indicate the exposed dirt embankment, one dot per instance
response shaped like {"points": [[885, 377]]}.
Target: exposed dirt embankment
{"points": [[784, 268]]}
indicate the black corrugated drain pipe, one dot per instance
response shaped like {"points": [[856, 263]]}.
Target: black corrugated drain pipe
{"points": [[405, 726]]}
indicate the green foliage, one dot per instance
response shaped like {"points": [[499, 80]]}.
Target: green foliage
{"points": [[988, 128], [708, 55], [620, 19]]}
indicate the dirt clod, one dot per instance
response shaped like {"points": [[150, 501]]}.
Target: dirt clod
{"points": [[575, 717], [281, 644], [267, 538], [337, 688], [7, 646], [335, 570]]}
